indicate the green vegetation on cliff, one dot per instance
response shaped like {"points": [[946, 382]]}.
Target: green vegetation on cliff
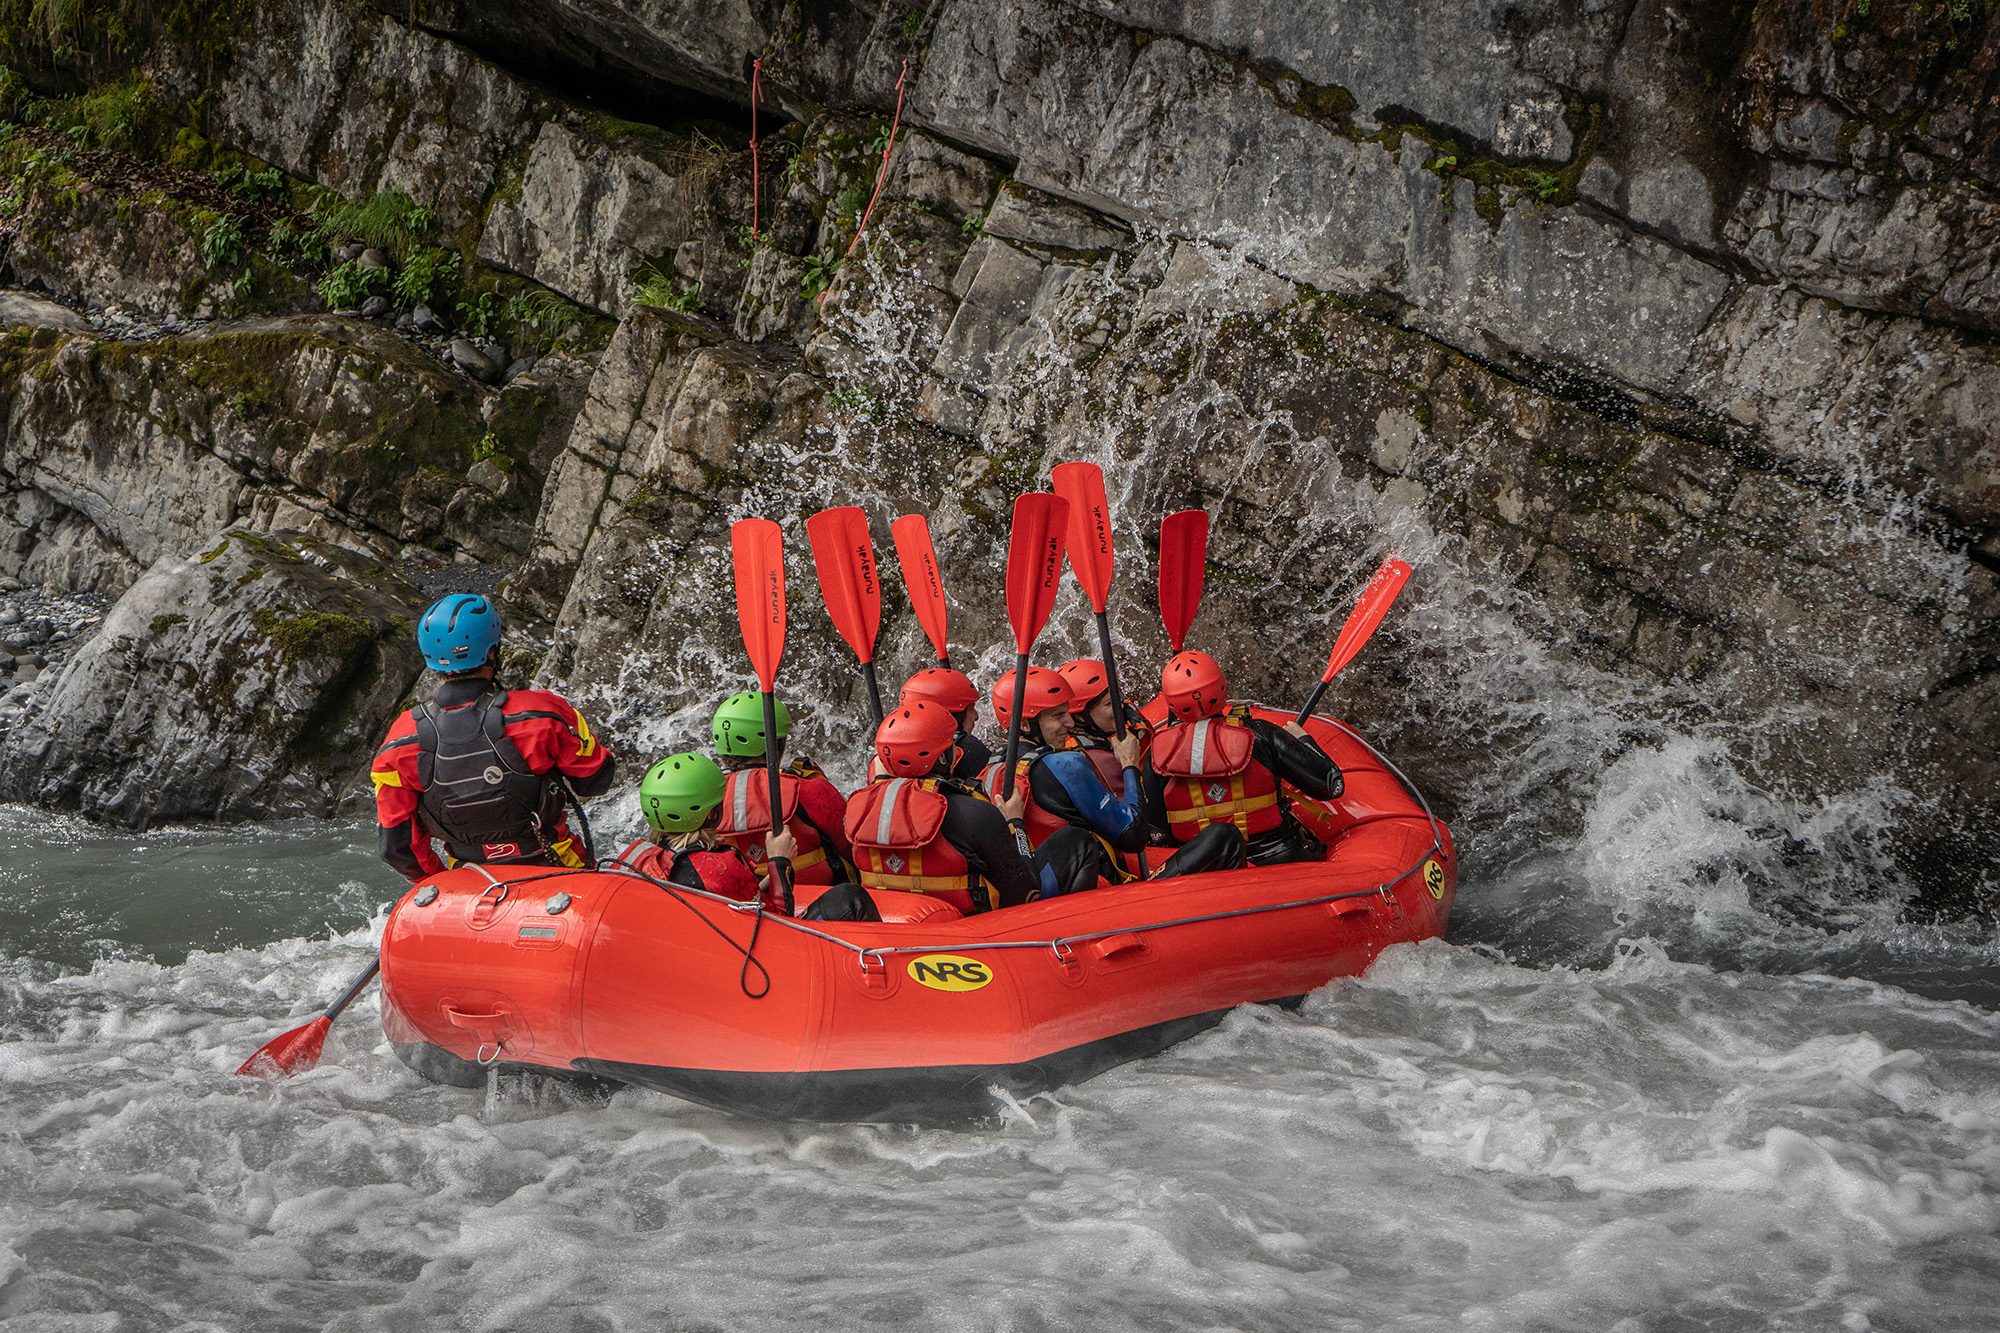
{"points": [[315, 634]]}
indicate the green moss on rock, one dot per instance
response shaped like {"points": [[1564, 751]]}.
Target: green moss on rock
{"points": [[315, 634]]}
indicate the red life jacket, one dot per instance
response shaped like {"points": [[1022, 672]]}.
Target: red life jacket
{"points": [[647, 857], [720, 870], [1106, 764], [1041, 824], [746, 819], [897, 828], [1210, 777]]}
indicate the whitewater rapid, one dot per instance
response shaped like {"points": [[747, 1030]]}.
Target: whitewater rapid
{"points": [[1681, 1063], [1628, 1141]]}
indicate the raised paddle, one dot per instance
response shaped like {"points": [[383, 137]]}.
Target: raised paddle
{"points": [[1368, 611], [845, 559], [1183, 557], [1034, 572], [297, 1051], [1081, 485], [757, 547], [914, 552]]}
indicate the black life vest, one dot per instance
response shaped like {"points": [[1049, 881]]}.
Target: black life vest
{"points": [[476, 791]]}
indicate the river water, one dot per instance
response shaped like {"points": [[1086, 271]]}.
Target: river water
{"points": [[1681, 1064], [1632, 1091]]}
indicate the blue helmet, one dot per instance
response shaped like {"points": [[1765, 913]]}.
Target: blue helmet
{"points": [[457, 632]]}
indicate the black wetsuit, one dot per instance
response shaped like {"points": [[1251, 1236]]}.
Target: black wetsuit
{"points": [[981, 834], [1067, 786], [972, 759]]}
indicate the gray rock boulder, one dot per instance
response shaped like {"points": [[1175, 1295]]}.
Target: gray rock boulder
{"points": [[245, 680]]}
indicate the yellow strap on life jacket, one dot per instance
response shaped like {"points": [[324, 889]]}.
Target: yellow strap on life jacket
{"points": [[752, 847], [910, 880], [1235, 810]]}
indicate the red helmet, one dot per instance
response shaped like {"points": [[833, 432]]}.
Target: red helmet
{"points": [[1086, 679], [949, 689], [1194, 687], [913, 737], [1046, 690]]}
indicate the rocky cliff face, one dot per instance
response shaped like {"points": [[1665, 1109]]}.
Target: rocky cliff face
{"points": [[1662, 333]]}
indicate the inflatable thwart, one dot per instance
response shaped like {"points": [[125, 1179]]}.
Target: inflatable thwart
{"points": [[611, 975]]}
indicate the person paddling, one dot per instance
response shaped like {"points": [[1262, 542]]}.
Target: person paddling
{"points": [[1077, 824], [681, 797], [919, 830], [810, 806], [1216, 766], [953, 691], [1096, 721], [479, 768]]}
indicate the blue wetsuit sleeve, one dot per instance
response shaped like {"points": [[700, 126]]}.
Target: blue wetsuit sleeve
{"points": [[1095, 803]]}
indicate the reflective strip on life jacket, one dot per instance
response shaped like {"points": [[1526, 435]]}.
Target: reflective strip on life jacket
{"points": [[899, 843], [1208, 776], [746, 819]]}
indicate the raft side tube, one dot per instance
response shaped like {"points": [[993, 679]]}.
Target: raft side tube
{"points": [[679, 990]]}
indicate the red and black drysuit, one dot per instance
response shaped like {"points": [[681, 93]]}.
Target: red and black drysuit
{"points": [[1227, 770], [724, 871], [480, 769]]}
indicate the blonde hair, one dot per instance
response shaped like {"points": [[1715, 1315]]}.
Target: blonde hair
{"points": [[702, 839]]}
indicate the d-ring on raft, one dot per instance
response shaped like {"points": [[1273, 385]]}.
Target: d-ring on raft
{"points": [[610, 975]]}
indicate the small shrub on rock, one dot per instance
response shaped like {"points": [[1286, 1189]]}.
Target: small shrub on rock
{"points": [[346, 287]]}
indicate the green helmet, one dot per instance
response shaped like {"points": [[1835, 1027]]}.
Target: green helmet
{"points": [[739, 724], [678, 792]]}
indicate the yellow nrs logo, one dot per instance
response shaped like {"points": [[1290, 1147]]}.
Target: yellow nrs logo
{"points": [[949, 971], [1434, 878]]}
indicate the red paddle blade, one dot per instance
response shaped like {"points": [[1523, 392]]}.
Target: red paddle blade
{"points": [[1183, 560], [1368, 611], [292, 1053], [845, 559], [1081, 485], [758, 548], [914, 552], [1034, 564]]}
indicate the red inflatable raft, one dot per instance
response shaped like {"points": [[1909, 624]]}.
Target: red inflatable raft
{"points": [[615, 976]]}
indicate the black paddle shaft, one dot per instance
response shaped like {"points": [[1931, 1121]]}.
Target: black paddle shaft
{"points": [[1312, 702], [1117, 699], [1014, 726], [874, 691], [1111, 672], [360, 984], [771, 760], [771, 785]]}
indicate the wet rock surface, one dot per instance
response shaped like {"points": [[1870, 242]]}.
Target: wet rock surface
{"points": [[1674, 324], [244, 681]]}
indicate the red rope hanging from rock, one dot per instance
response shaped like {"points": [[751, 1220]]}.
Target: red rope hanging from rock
{"points": [[756, 89], [882, 174]]}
